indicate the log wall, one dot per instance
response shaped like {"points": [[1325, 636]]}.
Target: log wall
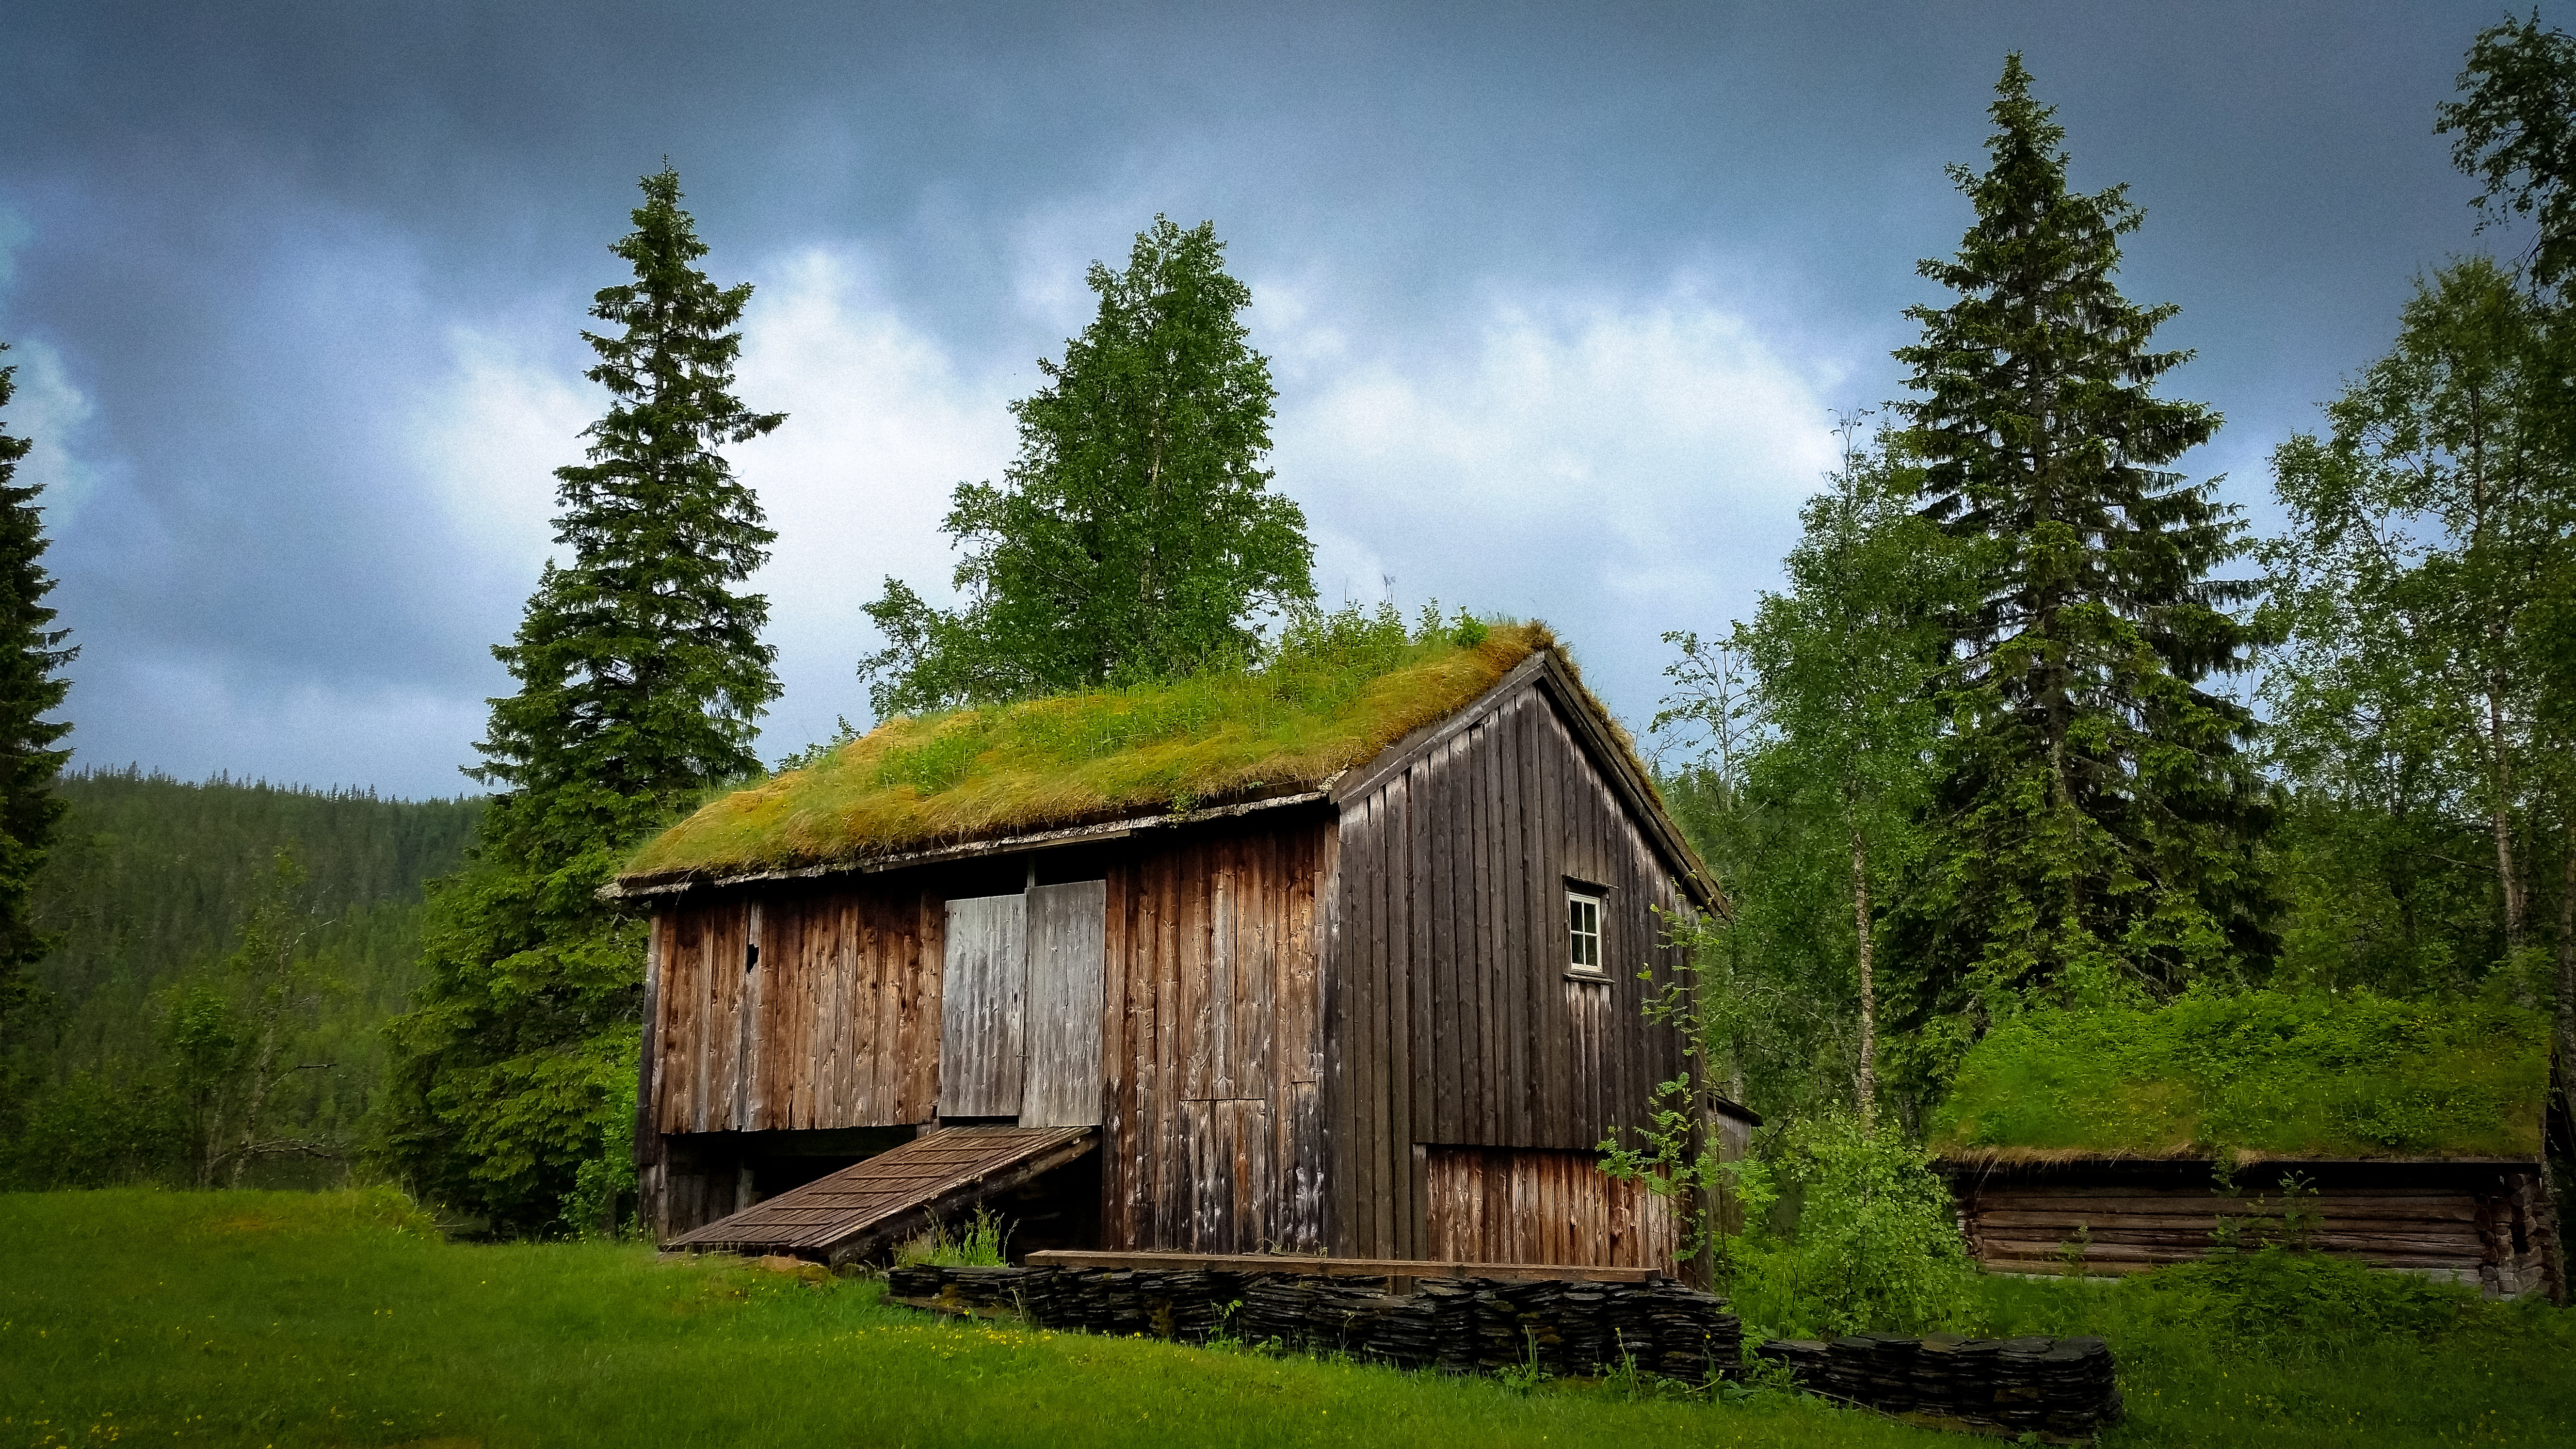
{"points": [[2482, 1225], [1451, 1019]]}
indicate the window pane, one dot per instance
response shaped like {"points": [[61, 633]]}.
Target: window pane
{"points": [[1583, 932]]}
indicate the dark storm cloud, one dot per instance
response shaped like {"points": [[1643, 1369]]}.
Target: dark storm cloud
{"points": [[252, 239]]}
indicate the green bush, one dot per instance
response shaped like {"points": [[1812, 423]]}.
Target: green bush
{"points": [[1846, 1229], [2289, 1074], [2276, 1298]]}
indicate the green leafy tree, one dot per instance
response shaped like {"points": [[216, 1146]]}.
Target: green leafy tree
{"points": [[230, 1034], [1847, 659], [1136, 536], [32, 654], [2094, 811], [641, 680], [2514, 125], [1815, 722], [2413, 573]]}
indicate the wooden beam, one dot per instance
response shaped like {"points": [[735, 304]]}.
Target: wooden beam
{"points": [[1336, 1267]]}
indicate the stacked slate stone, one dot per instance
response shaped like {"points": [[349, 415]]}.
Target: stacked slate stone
{"points": [[1804, 1358], [1682, 1333], [915, 1280], [1350, 1315], [2056, 1388], [1456, 1325], [1274, 1308], [1447, 1311]]}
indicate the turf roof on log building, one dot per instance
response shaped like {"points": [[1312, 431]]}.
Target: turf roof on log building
{"points": [[1228, 741], [2259, 1074]]}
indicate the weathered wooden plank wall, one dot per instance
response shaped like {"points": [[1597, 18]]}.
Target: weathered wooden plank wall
{"points": [[1066, 1001], [1212, 1045], [1543, 1205], [835, 1025], [1451, 1020]]}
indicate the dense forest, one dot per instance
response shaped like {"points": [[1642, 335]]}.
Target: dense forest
{"points": [[148, 898]]}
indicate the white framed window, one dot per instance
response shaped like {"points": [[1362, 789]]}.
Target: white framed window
{"points": [[1583, 931]]}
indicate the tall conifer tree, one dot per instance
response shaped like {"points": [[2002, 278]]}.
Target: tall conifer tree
{"points": [[641, 680], [31, 654], [2094, 812], [1136, 536]]}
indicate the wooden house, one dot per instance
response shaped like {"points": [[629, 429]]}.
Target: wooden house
{"points": [[2402, 1134], [2483, 1222], [1342, 957]]}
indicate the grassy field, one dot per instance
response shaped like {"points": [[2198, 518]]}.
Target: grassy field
{"points": [[341, 1319]]}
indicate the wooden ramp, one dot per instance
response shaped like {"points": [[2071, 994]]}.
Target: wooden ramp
{"points": [[863, 1209]]}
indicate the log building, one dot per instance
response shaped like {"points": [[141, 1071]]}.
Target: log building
{"points": [[2483, 1222], [1357, 971]]}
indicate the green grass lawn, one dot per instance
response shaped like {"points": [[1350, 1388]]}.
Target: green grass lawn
{"points": [[341, 1319]]}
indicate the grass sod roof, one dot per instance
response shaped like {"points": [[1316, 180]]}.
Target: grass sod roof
{"points": [[917, 783], [2264, 1074]]}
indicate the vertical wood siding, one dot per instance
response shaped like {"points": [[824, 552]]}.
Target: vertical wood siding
{"points": [[1066, 999], [1213, 1047], [983, 979], [843, 1025], [1525, 1205], [1451, 1022]]}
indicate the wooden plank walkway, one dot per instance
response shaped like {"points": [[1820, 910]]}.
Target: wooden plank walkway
{"points": [[893, 1195], [1337, 1267]]}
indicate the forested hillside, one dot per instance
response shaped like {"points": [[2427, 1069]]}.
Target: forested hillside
{"points": [[147, 896]]}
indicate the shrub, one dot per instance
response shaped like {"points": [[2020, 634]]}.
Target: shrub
{"points": [[1846, 1229]]}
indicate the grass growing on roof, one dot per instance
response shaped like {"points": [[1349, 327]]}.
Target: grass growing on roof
{"points": [[1341, 688], [2261, 1072]]}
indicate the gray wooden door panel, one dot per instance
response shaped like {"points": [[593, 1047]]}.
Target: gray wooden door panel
{"points": [[981, 1007], [1067, 994]]}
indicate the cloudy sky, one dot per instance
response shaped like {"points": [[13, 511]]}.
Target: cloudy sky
{"points": [[1561, 300]]}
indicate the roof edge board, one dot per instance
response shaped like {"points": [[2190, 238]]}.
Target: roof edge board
{"points": [[1586, 714], [963, 850], [1593, 730], [1397, 757]]}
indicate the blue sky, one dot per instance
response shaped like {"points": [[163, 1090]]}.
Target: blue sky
{"points": [[1561, 301]]}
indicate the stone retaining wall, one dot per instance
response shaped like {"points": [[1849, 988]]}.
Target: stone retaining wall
{"points": [[2060, 1389], [1457, 1324]]}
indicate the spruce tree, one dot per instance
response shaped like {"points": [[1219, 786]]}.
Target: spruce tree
{"points": [[641, 678], [2094, 812], [32, 653], [1136, 536]]}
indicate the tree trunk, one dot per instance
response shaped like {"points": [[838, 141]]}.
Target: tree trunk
{"points": [[1868, 987], [2500, 822], [2566, 1073], [258, 1098], [208, 1153]]}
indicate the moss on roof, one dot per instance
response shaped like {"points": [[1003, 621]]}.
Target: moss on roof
{"points": [[2261, 1073], [1328, 702]]}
